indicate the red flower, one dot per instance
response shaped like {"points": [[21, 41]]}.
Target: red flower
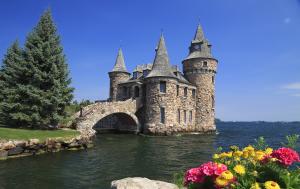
{"points": [[286, 156]]}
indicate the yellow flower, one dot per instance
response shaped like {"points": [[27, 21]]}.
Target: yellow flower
{"points": [[216, 156], [239, 169], [227, 175], [269, 151], [225, 154], [237, 153], [221, 181], [255, 173], [271, 185], [259, 155], [255, 186], [249, 148], [245, 154]]}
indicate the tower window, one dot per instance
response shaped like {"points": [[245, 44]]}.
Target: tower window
{"points": [[191, 116], [162, 87], [177, 90], [194, 93], [185, 91], [136, 91], [204, 64], [178, 115], [213, 101], [213, 79], [125, 91], [162, 115], [184, 116]]}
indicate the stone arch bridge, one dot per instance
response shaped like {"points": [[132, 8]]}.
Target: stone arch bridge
{"points": [[107, 116]]}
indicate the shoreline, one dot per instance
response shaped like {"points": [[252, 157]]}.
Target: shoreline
{"points": [[10, 149]]}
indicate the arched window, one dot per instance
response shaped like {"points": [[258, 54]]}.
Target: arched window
{"points": [[136, 91]]}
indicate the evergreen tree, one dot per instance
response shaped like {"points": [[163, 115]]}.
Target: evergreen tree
{"points": [[11, 79], [48, 91]]}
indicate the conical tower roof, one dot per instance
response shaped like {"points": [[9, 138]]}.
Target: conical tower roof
{"points": [[161, 66], [120, 63], [199, 35]]}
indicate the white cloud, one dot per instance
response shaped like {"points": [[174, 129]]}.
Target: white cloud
{"points": [[287, 20], [295, 85]]}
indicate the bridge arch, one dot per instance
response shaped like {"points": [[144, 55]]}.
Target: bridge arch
{"points": [[96, 114], [117, 121]]}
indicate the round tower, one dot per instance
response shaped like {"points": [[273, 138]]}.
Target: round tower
{"points": [[118, 75], [200, 68], [160, 113]]}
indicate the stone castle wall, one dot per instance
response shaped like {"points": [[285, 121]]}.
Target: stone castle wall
{"points": [[202, 76], [115, 79], [171, 102]]}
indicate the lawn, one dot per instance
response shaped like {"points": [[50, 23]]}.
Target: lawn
{"points": [[42, 135]]}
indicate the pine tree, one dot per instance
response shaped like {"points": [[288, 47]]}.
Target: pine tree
{"points": [[11, 79], [48, 91]]}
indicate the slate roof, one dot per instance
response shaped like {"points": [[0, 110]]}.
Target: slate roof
{"points": [[120, 63], [161, 66]]}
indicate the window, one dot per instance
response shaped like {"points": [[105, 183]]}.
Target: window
{"points": [[145, 73], [184, 114], [134, 75], [185, 91], [162, 87], [136, 91], [204, 64], [213, 102], [162, 115], [191, 116], [125, 91], [178, 115], [194, 93], [177, 90], [213, 79]]}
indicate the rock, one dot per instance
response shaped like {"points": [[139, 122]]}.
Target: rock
{"points": [[33, 142], [20, 143], [3, 154], [8, 145], [15, 151], [141, 183]]}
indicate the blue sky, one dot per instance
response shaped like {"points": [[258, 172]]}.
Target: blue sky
{"points": [[257, 43]]}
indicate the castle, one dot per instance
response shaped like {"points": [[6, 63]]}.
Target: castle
{"points": [[170, 101]]}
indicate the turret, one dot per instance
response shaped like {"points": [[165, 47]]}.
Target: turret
{"points": [[200, 68], [117, 75], [160, 91]]}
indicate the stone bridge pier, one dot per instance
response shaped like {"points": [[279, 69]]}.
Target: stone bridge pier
{"points": [[109, 116]]}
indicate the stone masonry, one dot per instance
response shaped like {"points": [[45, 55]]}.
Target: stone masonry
{"points": [[158, 98]]}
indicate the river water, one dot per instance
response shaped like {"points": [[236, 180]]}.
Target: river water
{"points": [[124, 155]]}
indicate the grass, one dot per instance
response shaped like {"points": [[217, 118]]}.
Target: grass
{"points": [[42, 135]]}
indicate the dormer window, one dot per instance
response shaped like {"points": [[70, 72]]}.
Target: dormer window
{"points": [[197, 47], [145, 73], [134, 75]]}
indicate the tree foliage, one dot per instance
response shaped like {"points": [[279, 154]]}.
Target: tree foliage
{"points": [[43, 91]]}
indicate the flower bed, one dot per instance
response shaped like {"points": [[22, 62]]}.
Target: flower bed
{"points": [[252, 167]]}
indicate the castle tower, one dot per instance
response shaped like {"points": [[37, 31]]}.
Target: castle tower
{"points": [[117, 75], [160, 92], [200, 69]]}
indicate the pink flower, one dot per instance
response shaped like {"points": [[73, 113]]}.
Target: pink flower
{"points": [[286, 156], [209, 169]]}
